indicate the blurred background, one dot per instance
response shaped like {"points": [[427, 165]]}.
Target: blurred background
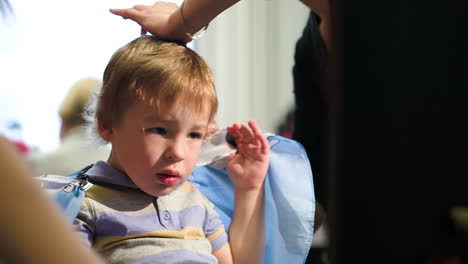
{"points": [[46, 46], [397, 149]]}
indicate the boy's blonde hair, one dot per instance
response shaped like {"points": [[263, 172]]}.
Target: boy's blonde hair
{"points": [[155, 73]]}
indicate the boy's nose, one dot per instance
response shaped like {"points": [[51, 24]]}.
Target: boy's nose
{"points": [[175, 151]]}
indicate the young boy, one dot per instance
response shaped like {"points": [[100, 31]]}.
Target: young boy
{"points": [[154, 108]]}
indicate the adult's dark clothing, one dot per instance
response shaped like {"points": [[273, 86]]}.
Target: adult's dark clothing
{"points": [[309, 121], [309, 115]]}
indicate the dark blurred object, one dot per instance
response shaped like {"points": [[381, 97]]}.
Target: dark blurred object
{"points": [[317, 256], [401, 132], [285, 128]]}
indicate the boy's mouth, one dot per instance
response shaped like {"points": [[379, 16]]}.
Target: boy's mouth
{"points": [[168, 177]]}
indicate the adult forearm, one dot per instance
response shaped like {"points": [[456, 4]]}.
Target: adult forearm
{"points": [[247, 230], [198, 13], [33, 230]]}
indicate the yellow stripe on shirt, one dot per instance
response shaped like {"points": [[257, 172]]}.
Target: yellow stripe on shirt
{"points": [[99, 193], [188, 232]]}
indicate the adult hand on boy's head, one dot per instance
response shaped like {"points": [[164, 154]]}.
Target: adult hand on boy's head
{"points": [[158, 19], [248, 166]]}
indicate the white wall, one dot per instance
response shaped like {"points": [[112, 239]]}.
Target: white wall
{"points": [[250, 48]]}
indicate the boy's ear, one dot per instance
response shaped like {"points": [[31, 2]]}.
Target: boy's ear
{"points": [[105, 130], [212, 127]]}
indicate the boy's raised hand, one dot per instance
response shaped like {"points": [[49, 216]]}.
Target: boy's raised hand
{"points": [[248, 166]]}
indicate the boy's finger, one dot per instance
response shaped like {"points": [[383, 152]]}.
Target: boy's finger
{"points": [[256, 130], [230, 157], [245, 131], [265, 145], [234, 131], [259, 135]]}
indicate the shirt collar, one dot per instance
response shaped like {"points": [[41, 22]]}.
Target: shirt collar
{"points": [[102, 172]]}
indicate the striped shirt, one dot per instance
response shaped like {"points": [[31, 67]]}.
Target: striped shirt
{"points": [[126, 225]]}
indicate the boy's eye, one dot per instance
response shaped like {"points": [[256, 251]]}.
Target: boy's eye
{"points": [[195, 135], [156, 130]]}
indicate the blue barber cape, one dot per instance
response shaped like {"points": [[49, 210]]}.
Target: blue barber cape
{"points": [[289, 200]]}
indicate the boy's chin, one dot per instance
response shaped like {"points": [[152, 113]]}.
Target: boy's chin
{"points": [[162, 191]]}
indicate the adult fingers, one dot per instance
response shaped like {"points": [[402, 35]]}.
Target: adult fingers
{"points": [[140, 7], [130, 13]]}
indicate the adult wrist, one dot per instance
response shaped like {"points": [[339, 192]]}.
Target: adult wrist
{"points": [[193, 32], [177, 30]]}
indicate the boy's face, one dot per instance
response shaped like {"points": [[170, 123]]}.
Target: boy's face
{"points": [[158, 151]]}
